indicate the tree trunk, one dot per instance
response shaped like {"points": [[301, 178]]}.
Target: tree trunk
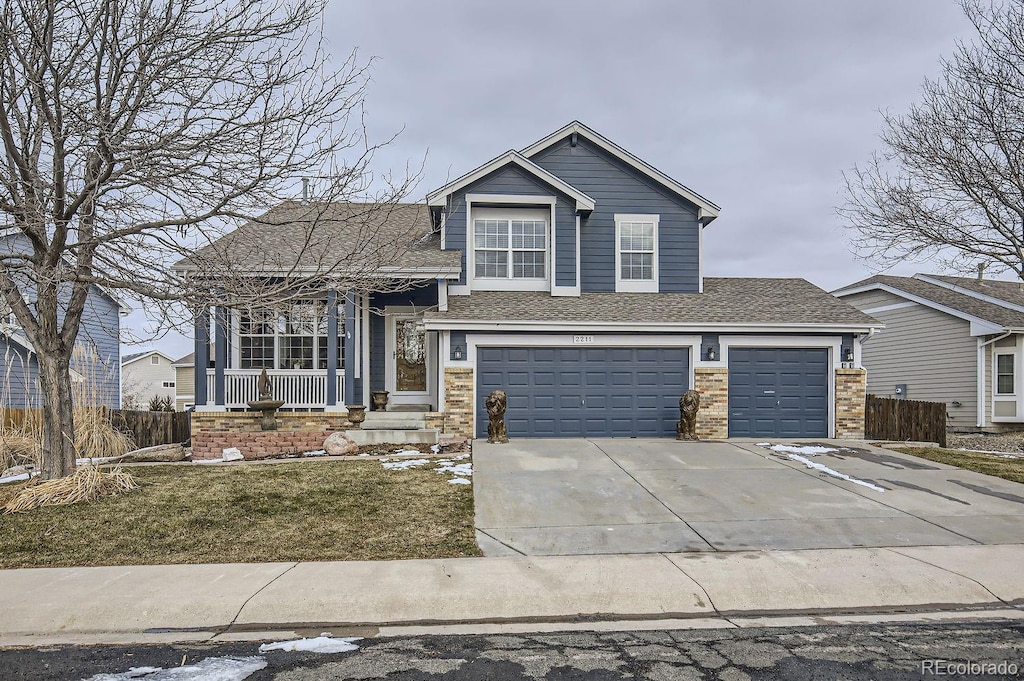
{"points": [[58, 416]]}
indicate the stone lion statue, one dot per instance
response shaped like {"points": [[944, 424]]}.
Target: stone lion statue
{"points": [[689, 403], [495, 405]]}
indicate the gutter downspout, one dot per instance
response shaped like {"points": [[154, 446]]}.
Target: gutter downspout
{"points": [[981, 375], [861, 340]]}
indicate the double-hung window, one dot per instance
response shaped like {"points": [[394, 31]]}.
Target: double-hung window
{"points": [[289, 337], [1005, 376], [636, 253], [510, 247]]}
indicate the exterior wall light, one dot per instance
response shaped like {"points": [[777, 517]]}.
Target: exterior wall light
{"points": [[457, 353], [847, 354], [711, 354]]}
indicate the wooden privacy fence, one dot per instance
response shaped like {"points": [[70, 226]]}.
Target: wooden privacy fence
{"points": [[147, 428], [901, 420], [150, 428]]}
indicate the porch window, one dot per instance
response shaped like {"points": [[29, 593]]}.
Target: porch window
{"points": [[1005, 383], [291, 337]]}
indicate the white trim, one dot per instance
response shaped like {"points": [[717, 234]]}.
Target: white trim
{"points": [[444, 344], [513, 199], [979, 326], [442, 295], [707, 212], [148, 353], [579, 259], [894, 306], [565, 340], [970, 292], [439, 197], [365, 342], [629, 285], [831, 343], [981, 384], [662, 327], [700, 259]]}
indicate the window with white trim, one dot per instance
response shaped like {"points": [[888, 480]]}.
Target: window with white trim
{"points": [[510, 245], [290, 337], [168, 384], [1005, 374], [154, 359], [636, 253]]}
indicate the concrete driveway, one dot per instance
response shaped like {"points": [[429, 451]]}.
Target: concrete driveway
{"points": [[577, 496]]}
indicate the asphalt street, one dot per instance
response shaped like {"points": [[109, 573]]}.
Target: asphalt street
{"points": [[952, 650]]}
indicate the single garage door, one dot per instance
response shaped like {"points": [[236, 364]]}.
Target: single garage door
{"points": [[584, 392], [780, 392]]}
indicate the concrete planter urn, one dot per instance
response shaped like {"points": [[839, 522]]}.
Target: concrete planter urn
{"points": [[380, 400], [356, 414]]}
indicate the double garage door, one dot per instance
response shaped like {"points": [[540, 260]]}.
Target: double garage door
{"points": [[634, 392]]}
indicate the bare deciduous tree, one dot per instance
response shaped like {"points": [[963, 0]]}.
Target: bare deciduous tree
{"points": [[949, 183], [136, 132]]}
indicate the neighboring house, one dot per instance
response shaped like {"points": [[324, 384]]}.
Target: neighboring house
{"points": [[569, 274], [942, 337], [185, 380], [95, 364], [145, 375]]}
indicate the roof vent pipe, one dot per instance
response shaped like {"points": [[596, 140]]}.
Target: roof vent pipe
{"points": [[981, 271], [305, 190]]}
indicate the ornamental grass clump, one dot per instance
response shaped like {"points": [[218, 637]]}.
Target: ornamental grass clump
{"points": [[87, 483]]}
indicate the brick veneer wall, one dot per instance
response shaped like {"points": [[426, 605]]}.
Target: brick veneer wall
{"points": [[458, 401], [212, 432], [713, 418], [851, 386]]}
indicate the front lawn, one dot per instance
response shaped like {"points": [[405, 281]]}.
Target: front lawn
{"points": [[990, 464], [296, 511]]}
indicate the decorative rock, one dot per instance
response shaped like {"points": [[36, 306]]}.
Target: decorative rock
{"points": [[232, 454], [156, 454], [340, 444]]}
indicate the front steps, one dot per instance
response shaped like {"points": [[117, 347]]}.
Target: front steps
{"points": [[405, 426]]}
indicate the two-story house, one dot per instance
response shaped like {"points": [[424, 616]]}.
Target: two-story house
{"points": [[145, 375], [95, 363], [569, 274]]}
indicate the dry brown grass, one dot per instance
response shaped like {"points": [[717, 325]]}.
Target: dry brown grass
{"points": [[88, 483], [989, 464], [296, 511]]}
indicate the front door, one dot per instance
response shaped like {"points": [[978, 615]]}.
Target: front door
{"points": [[408, 358]]}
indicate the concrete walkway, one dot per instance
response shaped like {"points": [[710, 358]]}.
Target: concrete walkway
{"points": [[606, 496], [153, 604]]}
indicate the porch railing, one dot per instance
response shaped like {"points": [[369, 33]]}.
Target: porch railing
{"points": [[299, 388]]}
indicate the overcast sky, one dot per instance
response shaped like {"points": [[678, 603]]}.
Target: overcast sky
{"points": [[759, 106]]}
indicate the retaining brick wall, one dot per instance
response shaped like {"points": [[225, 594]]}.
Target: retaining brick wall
{"points": [[851, 388], [713, 418], [211, 444], [458, 401]]}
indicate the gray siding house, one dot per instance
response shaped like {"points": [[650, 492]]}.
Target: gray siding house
{"points": [[95, 366], [569, 274], [943, 335]]}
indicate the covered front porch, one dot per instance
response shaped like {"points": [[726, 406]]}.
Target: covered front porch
{"points": [[321, 353]]}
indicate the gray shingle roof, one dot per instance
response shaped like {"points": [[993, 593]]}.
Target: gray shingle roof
{"points": [[135, 355], [961, 302], [728, 301], [1010, 291], [331, 236]]}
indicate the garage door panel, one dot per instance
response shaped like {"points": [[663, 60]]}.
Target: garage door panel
{"points": [[586, 391], [779, 392]]}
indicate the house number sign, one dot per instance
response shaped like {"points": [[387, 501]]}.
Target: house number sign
{"points": [[582, 339]]}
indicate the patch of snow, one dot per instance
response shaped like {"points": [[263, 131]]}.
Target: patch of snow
{"points": [[232, 454], [435, 448], [220, 460], [16, 478], [210, 669], [316, 452], [320, 644], [408, 452], [762, 444], [459, 481], [835, 474], [402, 465], [459, 469], [460, 457], [1004, 455], [810, 450]]}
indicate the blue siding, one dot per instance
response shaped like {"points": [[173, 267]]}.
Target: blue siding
{"points": [[510, 179], [458, 338], [19, 387], [424, 296], [99, 333], [617, 188]]}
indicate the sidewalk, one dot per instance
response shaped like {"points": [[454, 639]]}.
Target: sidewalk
{"points": [[156, 604]]}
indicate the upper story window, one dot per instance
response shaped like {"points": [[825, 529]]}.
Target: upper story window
{"points": [[636, 253], [510, 247], [154, 359]]}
